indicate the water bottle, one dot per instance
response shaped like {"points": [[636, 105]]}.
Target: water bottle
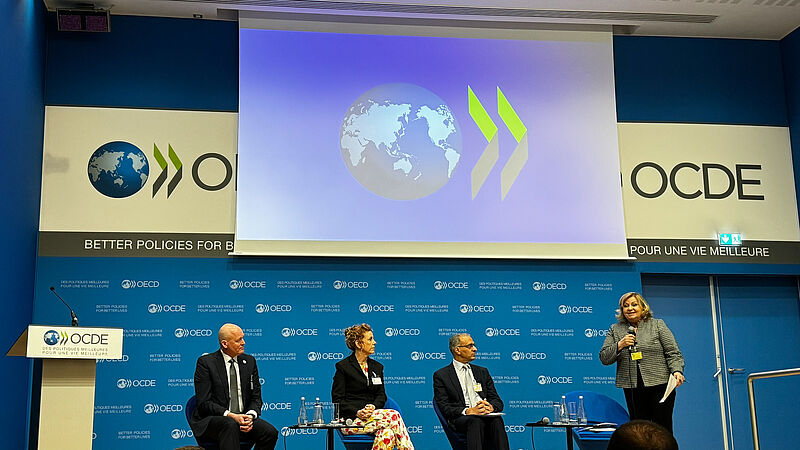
{"points": [[556, 412], [581, 411], [564, 416], [318, 412], [302, 418]]}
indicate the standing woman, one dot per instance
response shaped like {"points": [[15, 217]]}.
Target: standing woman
{"points": [[646, 354], [358, 388]]}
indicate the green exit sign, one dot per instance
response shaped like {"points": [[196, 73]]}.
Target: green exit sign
{"points": [[730, 239]]}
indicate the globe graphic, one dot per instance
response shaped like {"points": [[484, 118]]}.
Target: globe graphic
{"points": [[118, 169], [51, 337], [400, 141]]}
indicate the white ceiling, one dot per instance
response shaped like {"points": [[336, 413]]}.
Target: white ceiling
{"points": [[750, 19]]}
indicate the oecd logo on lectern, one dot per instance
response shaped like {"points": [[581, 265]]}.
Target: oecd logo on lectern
{"points": [[51, 337]]}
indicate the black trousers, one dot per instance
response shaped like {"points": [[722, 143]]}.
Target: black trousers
{"points": [[643, 403], [483, 433], [225, 432]]}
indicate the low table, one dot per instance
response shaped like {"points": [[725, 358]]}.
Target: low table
{"points": [[568, 426], [326, 426]]}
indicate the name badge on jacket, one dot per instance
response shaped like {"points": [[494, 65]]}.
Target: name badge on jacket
{"points": [[377, 380], [478, 387]]}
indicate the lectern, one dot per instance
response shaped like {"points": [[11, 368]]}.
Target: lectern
{"points": [[69, 357]]}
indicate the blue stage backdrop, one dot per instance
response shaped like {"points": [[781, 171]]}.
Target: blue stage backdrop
{"points": [[538, 328]]}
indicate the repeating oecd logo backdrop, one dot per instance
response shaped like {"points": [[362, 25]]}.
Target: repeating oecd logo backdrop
{"points": [[296, 332]]}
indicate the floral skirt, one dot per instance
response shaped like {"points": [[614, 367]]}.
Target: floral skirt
{"points": [[387, 426]]}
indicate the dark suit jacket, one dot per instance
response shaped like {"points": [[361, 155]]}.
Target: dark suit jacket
{"points": [[211, 388], [352, 390], [447, 390]]}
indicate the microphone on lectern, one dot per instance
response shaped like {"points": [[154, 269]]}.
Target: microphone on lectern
{"points": [[71, 312]]}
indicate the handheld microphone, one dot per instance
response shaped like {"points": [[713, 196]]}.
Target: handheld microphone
{"points": [[545, 421], [632, 330], [71, 312], [349, 422]]}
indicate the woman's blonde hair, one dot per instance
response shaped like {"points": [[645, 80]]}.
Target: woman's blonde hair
{"points": [[355, 333], [646, 312]]}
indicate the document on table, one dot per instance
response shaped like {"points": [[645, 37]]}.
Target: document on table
{"points": [[671, 384]]}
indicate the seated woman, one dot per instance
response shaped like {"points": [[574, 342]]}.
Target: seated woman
{"points": [[358, 388]]}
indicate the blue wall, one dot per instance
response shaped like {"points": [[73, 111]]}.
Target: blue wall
{"points": [[22, 99], [722, 81], [146, 62]]}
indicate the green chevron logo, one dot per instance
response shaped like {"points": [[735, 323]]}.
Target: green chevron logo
{"points": [[173, 183], [491, 153]]}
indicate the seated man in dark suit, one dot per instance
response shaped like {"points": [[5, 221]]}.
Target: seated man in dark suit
{"points": [[642, 435], [467, 398], [228, 394]]}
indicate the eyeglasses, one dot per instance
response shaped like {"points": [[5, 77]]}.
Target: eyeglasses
{"points": [[467, 346]]}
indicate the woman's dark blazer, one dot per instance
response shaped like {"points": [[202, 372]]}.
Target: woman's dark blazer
{"points": [[352, 390]]}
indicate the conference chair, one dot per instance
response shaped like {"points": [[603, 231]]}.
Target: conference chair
{"points": [[457, 440], [191, 404], [599, 408], [364, 441]]}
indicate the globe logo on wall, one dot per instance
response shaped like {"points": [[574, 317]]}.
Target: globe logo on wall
{"points": [[542, 379], [563, 309], [400, 141], [149, 408], [51, 337], [118, 169], [438, 285], [176, 434]]}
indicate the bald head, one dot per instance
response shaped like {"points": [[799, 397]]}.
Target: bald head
{"points": [[231, 339]]}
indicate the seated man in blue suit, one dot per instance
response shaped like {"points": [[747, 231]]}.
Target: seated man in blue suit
{"points": [[467, 398], [228, 394]]}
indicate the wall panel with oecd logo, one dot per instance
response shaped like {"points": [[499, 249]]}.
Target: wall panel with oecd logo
{"points": [[137, 236], [538, 329]]}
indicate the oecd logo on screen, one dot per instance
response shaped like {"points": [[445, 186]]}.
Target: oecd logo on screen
{"points": [[154, 308], [261, 308], [492, 332], [154, 408], [365, 308], [414, 429], [574, 309], [291, 332], [594, 332], [247, 284], [528, 356], [133, 284], [391, 332], [178, 433], [339, 284], [466, 309], [427, 356], [325, 356], [127, 383], [444, 285], [51, 337], [544, 286], [546, 379], [199, 332]]}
